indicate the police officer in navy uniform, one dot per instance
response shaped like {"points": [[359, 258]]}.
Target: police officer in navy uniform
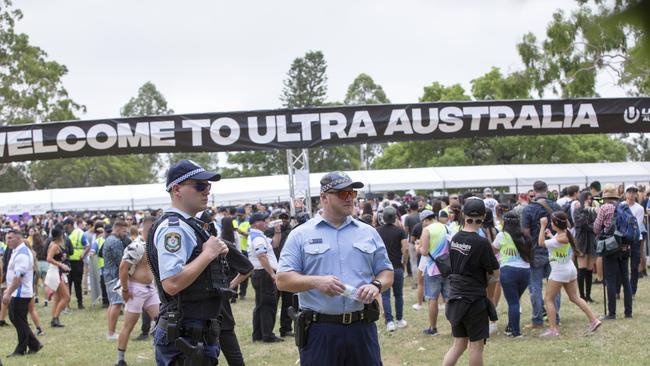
{"points": [[190, 272], [321, 259]]}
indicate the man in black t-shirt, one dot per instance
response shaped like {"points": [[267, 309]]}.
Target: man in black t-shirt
{"points": [[394, 238], [469, 310], [412, 219]]}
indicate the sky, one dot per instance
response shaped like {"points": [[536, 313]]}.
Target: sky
{"points": [[220, 56]]}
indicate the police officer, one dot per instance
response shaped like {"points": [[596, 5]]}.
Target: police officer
{"points": [[80, 248], [322, 258], [189, 271]]}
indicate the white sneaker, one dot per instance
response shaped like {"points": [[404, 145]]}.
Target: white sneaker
{"points": [[401, 324], [111, 337], [390, 326], [416, 307], [493, 327]]}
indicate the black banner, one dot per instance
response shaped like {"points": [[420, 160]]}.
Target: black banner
{"points": [[327, 126]]}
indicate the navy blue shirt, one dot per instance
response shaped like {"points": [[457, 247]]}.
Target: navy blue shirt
{"points": [[530, 219]]}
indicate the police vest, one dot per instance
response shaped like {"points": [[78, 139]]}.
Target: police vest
{"points": [[100, 245], [76, 238], [3, 246], [202, 299]]}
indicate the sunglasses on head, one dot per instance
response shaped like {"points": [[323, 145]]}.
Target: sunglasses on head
{"points": [[199, 186], [344, 195], [470, 221]]}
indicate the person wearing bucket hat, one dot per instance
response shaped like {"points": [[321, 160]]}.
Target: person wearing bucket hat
{"points": [[185, 261], [338, 266], [631, 196]]}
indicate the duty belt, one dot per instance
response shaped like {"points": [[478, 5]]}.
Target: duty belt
{"points": [[345, 318]]}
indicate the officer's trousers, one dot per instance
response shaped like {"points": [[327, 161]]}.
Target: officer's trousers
{"points": [[266, 305], [75, 278]]}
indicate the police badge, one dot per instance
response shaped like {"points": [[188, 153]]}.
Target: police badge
{"points": [[172, 242]]}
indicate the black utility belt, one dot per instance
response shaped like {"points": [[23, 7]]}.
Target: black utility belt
{"points": [[345, 318]]}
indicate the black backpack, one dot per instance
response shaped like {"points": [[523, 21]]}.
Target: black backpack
{"points": [[566, 208]]}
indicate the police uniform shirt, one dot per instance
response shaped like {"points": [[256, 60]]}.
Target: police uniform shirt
{"points": [[21, 264], [353, 252], [260, 244], [175, 240]]}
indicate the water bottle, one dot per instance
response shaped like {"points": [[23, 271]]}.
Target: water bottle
{"points": [[350, 292]]}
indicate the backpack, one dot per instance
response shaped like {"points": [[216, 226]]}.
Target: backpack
{"points": [[566, 208], [626, 224]]}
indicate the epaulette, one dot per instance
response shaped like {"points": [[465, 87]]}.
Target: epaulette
{"points": [[173, 221]]}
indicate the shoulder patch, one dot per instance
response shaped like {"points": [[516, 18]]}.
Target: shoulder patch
{"points": [[173, 221], [172, 242]]}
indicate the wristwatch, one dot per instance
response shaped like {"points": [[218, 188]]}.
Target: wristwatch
{"points": [[377, 283]]}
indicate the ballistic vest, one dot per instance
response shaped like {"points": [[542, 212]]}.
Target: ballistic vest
{"points": [[203, 298], [76, 237]]}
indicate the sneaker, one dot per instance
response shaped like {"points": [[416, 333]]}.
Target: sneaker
{"points": [[142, 337], [431, 331], [401, 324], [608, 317], [55, 323], [594, 325], [508, 331], [493, 327], [45, 303], [550, 332], [111, 337], [513, 335], [121, 363], [390, 326], [39, 331], [416, 307]]}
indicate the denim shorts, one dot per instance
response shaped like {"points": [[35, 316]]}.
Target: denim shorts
{"points": [[434, 285]]}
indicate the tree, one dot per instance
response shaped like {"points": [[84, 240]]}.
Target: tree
{"points": [[305, 86], [365, 91]]}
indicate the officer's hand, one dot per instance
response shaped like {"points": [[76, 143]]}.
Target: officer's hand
{"points": [[367, 293], [330, 285], [215, 247]]}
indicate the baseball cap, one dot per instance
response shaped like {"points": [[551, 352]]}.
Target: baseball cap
{"points": [[186, 169], [389, 214], [632, 188], [426, 214], [241, 210], [108, 228], [337, 180], [474, 207], [487, 191], [68, 221], [257, 216]]}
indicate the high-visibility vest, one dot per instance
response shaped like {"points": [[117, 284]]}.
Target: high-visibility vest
{"points": [[100, 244], [76, 237], [3, 246]]}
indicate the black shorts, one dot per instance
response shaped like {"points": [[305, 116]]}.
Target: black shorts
{"points": [[474, 324]]}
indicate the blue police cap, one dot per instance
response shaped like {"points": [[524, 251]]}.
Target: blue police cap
{"points": [[257, 216], [337, 180], [187, 169]]}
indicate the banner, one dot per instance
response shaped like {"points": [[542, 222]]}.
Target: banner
{"points": [[326, 126]]}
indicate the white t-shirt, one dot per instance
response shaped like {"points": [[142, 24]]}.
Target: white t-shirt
{"points": [[21, 264], [491, 204], [260, 244]]}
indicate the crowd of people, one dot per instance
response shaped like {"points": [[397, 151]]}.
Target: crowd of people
{"points": [[538, 235]]}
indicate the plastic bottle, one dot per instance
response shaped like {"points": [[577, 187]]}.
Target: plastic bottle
{"points": [[350, 292]]}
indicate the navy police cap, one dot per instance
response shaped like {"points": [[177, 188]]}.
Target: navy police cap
{"points": [[187, 169], [337, 180]]}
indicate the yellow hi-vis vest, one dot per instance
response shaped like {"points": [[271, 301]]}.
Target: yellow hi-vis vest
{"points": [[100, 244], [76, 238]]}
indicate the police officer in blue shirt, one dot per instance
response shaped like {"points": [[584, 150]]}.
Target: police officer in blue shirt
{"points": [[189, 271], [331, 255]]}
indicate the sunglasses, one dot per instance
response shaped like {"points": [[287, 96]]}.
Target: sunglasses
{"points": [[344, 195], [200, 186], [470, 220]]}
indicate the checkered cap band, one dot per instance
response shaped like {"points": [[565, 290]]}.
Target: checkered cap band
{"points": [[183, 177]]}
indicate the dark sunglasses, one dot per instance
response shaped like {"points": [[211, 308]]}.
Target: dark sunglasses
{"points": [[199, 186], [470, 220], [344, 195], [531, 197]]}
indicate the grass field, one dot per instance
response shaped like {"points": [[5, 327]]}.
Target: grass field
{"points": [[619, 342]]}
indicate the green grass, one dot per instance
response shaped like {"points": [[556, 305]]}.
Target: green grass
{"points": [[620, 342]]}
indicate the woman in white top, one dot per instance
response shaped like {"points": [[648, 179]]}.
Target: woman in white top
{"points": [[563, 272]]}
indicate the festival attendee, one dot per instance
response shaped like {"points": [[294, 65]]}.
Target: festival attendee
{"points": [[514, 258], [427, 217], [113, 250], [583, 220], [631, 195], [563, 273], [56, 277], [433, 244], [489, 201], [469, 310], [19, 292], [396, 243]]}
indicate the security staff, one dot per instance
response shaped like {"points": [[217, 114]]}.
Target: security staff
{"points": [[328, 256], [81, 248], [188, 271]]}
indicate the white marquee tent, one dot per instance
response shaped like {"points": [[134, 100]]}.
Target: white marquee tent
{"points": [[276, 188]]}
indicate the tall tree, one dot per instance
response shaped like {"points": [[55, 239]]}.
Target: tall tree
{"points": [[364, 90]]}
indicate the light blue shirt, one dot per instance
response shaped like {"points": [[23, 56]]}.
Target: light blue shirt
{"points": [[172, 256], [353, 252]]}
